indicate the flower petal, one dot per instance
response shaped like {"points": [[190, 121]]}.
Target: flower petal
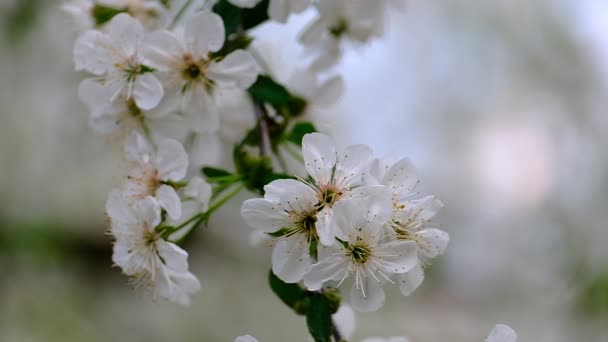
{"points": [[245, 338], [138, 148], [397, 256], [125, 32], [502, 333], [204, 33], [261, 214], [319, 154], [94, 52], [432, 242], [171, 160], [199, 190], [169, 200], [173, 256], [148, 211], [368, 295], [160, 49], [147, 91], [351, 165], [401, 178], [292, 194], [332, 267], [237, 70], [244, 3], [291, 258], [411, 280]]}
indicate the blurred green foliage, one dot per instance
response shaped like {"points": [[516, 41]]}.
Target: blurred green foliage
{"points": [[19, 19]]}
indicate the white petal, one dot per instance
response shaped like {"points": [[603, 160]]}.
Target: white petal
{"points": [[199, 190], [148, 211], [331, 268], [173, 256], [327, 229], [401, 178], [426, 208], [176, 286], [261, 214], [411, 280], [291, 258], [126, 32], [237, 70], [351, 164], [147, 91], [171, 160], [292, 194], [94, 95], [244, 3], [345, 321], [246, 338], [502, 333], [138, 148], [204, 33], [206, 149], [433, 242], [369, 296], [161, 50], [279, 10], [400, 254], [94, 52], [319, 155], [118, 208], [169, 200]]}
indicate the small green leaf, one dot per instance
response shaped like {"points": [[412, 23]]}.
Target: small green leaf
{"points": [[231, 15], [102, 14], [213, 172], [318, 318], [281, 232], [240, 41], [299, 131], [266, 90], [255, 16], [293, 295]]}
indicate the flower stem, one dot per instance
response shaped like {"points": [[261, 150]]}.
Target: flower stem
{"points": [[261, 116]]}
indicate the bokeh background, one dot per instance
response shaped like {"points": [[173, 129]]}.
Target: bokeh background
{"points": [[500, 104]]}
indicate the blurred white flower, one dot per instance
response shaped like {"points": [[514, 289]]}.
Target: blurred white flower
{"points": [[141, 253], [338, 21], [196, 197], [88, 14], [278, 10], [154, 170], [345, 321], [390, 339], [114, 56], [182, 58], [365, 253], [502, 333], [245, 338]]}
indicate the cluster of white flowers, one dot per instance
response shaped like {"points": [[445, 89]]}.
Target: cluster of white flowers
{"points": [[167, 91], [353, 216], [154, 91]]}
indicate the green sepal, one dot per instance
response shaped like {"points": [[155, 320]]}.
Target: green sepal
{"points": [[281, 232], [214, 172]]}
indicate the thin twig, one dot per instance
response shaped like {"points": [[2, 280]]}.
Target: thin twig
{"points": [[261, 116]]}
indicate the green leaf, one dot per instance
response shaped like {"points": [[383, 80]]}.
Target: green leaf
{"points": [[266, 90], [102, 14], [318, 318], [238, 19], [299, 131], [293, 295], [253, 17], [240, 41], [213, 172]]}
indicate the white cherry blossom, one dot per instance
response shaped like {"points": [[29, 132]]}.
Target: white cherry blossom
{"points": [[245, 338], [410, 219], [289, 207], [114, 57], [389, 339], [182, 58], [332, 176], [154, 170], [195, 199], [338, 21], [365, 254], [141, 253], [502, 333]]}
